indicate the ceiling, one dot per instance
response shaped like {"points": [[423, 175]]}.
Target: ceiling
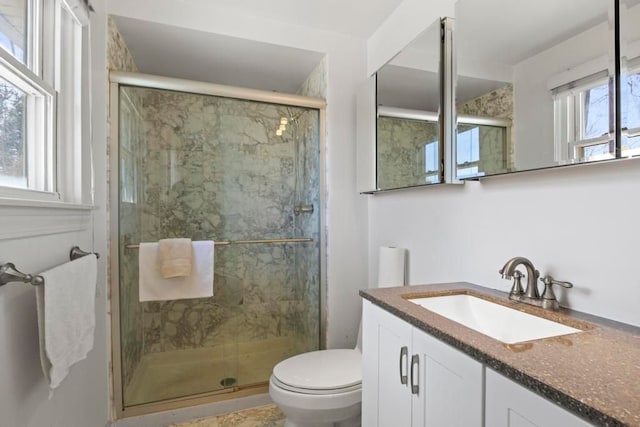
{"points": [[240, 62], [502, 32], [358, 18], [215, 58]]}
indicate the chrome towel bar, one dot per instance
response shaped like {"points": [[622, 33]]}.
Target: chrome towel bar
{"points": [[9, 273], [247, 242], [76, 253]]}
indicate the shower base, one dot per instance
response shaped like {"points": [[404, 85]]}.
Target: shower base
{"points": [[181, 373]]}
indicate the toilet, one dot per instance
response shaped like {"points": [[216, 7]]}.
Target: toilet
{"points": [[319, 389], [324, 388]]}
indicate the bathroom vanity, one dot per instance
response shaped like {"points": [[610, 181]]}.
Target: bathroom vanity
{"points": [[423, 369]]}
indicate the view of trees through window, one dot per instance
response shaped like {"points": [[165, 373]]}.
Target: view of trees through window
{"points": [[12, 141], [13, 17], [596, 118], [631, 114]]}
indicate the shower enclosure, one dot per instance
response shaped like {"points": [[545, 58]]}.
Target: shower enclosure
{"points": [[239, 167]]}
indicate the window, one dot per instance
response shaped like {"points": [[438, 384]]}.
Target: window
{"points": [[41, 78], [582, 120], [468, 151], [431, 167], [630, 100]]}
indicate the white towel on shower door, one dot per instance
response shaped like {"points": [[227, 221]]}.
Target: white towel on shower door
{"points": [[153, 287], [66, 316]]}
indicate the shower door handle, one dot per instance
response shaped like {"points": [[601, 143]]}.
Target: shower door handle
{"points": [[404, 354]]}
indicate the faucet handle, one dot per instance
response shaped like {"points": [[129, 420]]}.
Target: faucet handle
{"points": [[516, 289], [549, 299]]}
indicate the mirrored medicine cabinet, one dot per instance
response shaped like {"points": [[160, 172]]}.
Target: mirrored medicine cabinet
{"points": [[546, 72], [535, 90]]}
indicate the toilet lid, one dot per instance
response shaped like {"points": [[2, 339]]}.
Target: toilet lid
{"points": [[321, 370]]}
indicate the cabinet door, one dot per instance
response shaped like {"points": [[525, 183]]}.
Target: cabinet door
{"points": [[386, 340], [447, 385], [510, 404]]}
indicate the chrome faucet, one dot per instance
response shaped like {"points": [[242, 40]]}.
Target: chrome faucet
{"points": [[509, 270], [531, 295]]}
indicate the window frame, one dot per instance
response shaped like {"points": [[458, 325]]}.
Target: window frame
{"points": [[55, 79], [570, 120]]}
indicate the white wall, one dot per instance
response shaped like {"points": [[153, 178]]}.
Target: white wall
{"points": [[82, 398], [407, 21], [575, 223], [346, 220], [533, 103]]}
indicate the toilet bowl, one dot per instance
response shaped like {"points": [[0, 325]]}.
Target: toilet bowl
{"points": [[319, 389]]}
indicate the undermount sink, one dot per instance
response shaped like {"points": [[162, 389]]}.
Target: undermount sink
{"points": [[497, 321]]}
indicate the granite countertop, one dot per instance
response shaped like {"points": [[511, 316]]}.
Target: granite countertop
{"points": [[595, 374]]}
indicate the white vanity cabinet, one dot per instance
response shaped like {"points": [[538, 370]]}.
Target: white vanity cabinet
{"points": [[412, 379], [510, 405]]}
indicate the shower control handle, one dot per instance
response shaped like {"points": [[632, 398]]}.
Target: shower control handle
{"points": [[404, 354]]}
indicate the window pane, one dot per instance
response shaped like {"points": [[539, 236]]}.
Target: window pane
{"points": [[13, 171], [630, 101], [13, 27], [468, 144], [596, 112], [596, 152], [431, 162], [631, 146]]}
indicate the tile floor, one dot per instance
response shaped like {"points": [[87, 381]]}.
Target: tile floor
{"points": [[262, 416]]}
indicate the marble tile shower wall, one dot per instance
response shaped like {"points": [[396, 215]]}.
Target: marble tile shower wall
{"points": [[494, 156], [131, 133], [400, 142], [213, 168]]}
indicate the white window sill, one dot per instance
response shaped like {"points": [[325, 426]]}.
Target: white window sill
{"points": [[20, 218]]}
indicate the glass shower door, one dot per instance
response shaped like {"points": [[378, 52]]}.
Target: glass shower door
{"points": [[232, 171]]}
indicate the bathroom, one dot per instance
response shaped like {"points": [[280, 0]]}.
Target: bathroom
{"points": [[572, 222]]}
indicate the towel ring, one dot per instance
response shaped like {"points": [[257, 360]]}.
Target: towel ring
{"points": [[76, 253]]}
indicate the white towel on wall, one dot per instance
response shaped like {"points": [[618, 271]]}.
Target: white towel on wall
{"points": [[66, 316], [153, 287]]}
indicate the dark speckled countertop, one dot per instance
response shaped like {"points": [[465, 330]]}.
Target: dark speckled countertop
{"points": [[595, 374]]}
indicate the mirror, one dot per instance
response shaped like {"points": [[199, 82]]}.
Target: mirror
{"points": [[533, 85], [408, 141], [630, 77]]}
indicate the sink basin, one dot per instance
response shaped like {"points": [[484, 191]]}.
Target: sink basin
{"points": [[497, 321]]}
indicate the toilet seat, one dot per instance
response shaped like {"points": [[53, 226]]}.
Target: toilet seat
{"points": [[287, 387], [320, 372]]}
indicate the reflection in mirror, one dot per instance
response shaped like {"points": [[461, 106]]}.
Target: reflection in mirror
{"points": [[630, 77], [408, 149], [536, 87]]}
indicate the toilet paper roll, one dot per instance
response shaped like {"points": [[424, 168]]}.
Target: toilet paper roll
{"points": [[391, 267]]}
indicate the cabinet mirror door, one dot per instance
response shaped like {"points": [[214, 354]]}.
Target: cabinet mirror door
{"points": [[534, 85], [408, 141], [630, 78]]}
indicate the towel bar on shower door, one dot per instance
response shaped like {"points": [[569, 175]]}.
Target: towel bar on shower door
{"points": [[247, 242]]}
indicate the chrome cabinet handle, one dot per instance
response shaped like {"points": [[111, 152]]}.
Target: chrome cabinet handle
{"points": [[403, 356], [415, 362]]}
